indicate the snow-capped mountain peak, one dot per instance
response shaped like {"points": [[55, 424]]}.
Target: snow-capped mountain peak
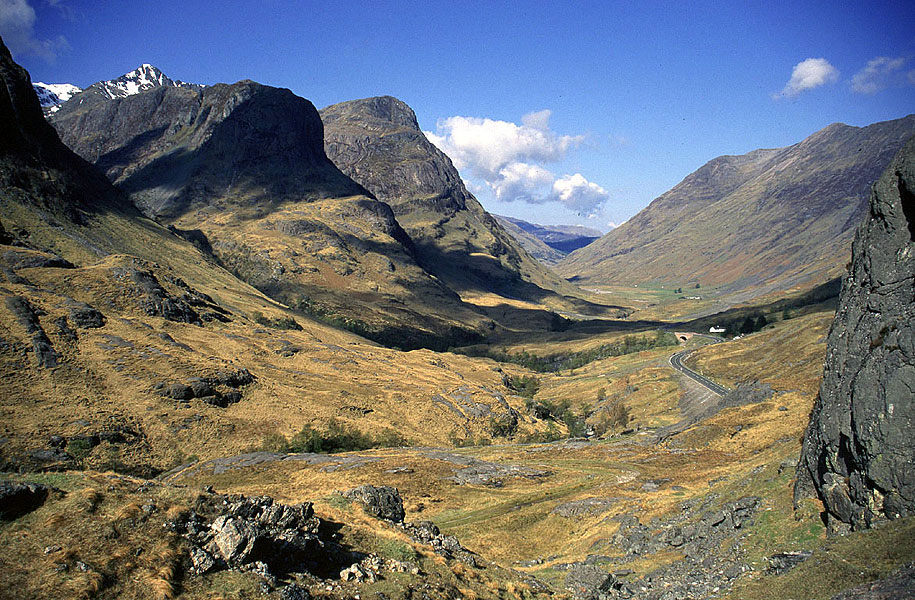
{"points": [[143, 78], [52, 95]]}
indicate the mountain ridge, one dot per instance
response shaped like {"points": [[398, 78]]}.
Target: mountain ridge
{"points": [[767, 220]]}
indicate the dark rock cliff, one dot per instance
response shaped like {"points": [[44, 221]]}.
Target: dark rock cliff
{"points": [[173, 149], [858, 454], [35, 167]]}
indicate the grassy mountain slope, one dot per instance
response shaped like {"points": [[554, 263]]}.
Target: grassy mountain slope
{"points": [[240, 169], [767, 220], [121, 335]]}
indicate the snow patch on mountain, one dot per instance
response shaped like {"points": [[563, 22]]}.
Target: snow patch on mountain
{"points": [[52, 95], [143, 78]]}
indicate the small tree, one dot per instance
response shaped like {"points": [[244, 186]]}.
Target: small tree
{"points": [[761, 322], [748, 325]]}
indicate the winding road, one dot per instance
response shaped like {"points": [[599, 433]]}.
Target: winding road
{"points": [[676, 361]]}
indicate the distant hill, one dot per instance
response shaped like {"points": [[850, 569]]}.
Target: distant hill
{"points": [[764, 221], [548, 243]]}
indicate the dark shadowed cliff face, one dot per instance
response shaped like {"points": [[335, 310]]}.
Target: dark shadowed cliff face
{"points": [[858, 452], [173, 149], [36, 169]]}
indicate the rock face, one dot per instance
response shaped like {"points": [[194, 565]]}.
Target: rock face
{"points": [[36, 169], [858, 455], [17, 499], [383, 502], [176, 148]]}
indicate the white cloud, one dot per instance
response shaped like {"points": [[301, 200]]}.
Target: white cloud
{"points": [[509, 159], [612, 225], [522, 181], [877, 75], [17, 27], [807, 75], [486, 146], [579, 194]]}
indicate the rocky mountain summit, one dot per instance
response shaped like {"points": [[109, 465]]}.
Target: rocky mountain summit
{"points": [[143, 78], [858, 454], [52, 95], [378, 142]]}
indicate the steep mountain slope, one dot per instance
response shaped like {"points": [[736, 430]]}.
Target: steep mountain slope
{"points": [[378, 142], [242, 167], [858, 454], [124, 347], [767, 220], [559, 240]]}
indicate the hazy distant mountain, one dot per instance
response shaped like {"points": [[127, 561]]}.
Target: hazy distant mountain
{"points": [[764, 221], [243, 165], [549, 243]]}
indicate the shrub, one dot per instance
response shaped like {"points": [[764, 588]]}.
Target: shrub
{"points": [[336, 437], [525, 385], [559, 362]]}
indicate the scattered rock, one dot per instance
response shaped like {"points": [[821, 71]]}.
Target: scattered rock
{"points": [[589, 581], [383, 502], [782, 562], [252, 534]]}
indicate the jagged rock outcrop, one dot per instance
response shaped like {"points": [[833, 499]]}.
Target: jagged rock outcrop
{"points": [[858, 455]]}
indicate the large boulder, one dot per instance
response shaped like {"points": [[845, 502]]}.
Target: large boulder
{"points": [[858, 455], [383, 502], [17, 499]]}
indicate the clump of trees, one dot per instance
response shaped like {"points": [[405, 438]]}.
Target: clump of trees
{"points": [[751, 324], [558, 362], [335, 437]]}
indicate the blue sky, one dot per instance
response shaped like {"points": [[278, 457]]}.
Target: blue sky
{"points": [[572, 112]]}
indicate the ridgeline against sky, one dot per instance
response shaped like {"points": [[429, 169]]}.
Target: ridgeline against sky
{"points": [[582, 115]]}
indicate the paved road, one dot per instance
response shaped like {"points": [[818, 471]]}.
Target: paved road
{"points": [[676, 361]]}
